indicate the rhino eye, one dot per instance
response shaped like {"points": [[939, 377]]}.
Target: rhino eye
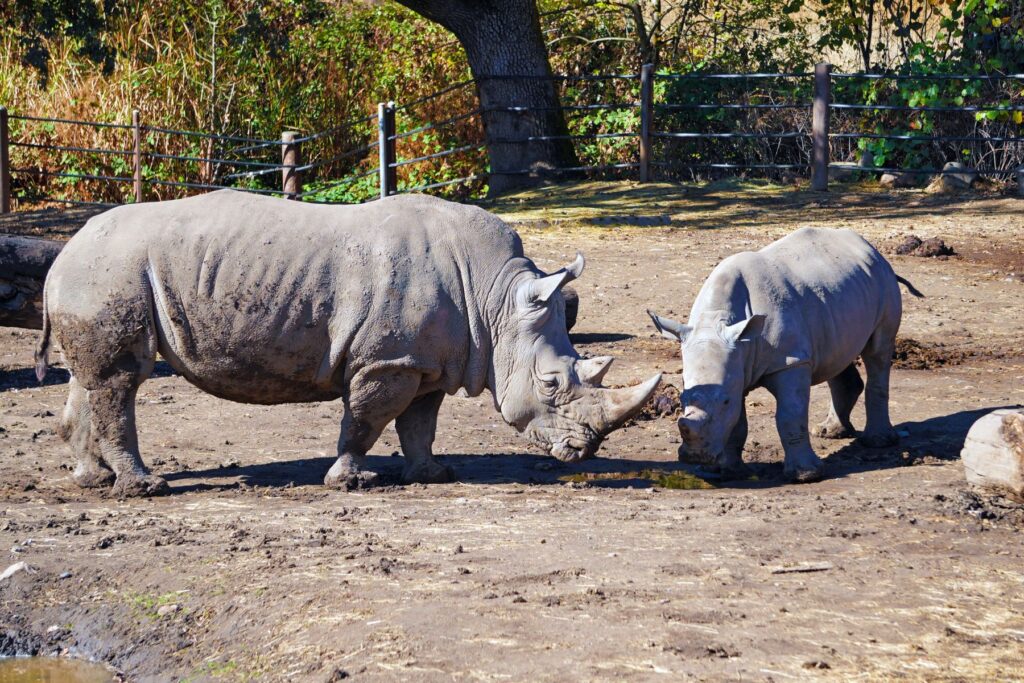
{"points": [[549, 384]]}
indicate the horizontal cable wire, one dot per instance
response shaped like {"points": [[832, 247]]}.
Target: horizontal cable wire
{"points": [[438, 124], [733, 106], [334, 129], [926, 138], [434, 186], [714, 76], [343, 181], [432, 96], [898, 107], [208, 136], [729, 135], [930, 171], [95, 124], [932, 77], [437, 155], [61, 148], [568, 107], [582, 136], [42, 198], [570, 169], [343, 155], [670, 165], [205, 186], [79, 176], [230, 162]]}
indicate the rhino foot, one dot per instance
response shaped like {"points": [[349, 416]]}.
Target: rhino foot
{"points": [[351, 481], [93, 476], [833, 430], [136, 486], [802, 475], [734, 471], [879, 440], [429, 473]]}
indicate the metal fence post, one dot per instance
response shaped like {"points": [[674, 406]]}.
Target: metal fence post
{"points": [[819, 127], [646, 117], [137, 155], [386, 147], [291, 157], [5, 163]]}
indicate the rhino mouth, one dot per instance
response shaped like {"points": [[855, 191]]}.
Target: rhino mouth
{"points": [[571, 447]]}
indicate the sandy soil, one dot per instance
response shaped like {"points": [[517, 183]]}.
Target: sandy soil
{"points": [[521, 570]]}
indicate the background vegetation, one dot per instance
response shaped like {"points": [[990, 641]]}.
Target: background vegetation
{"points": [[252, 69]]}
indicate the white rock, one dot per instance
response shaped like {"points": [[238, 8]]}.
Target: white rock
{"points": [[993, 453], [14, 569]]}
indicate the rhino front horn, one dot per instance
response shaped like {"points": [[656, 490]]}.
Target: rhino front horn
{"points": [[621, 404]]}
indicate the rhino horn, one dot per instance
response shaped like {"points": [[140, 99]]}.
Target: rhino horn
{"points": [[592, 370], [621, 404]]}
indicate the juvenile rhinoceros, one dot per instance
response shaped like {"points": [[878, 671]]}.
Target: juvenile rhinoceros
{"points": [[388, 305], [796, 313]]}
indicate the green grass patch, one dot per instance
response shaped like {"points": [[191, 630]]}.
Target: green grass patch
{"points": [[674, 479]]}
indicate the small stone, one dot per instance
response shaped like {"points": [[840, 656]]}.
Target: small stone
{"points": [[167, 610], [519, 599], [230, 463], [816, 664], [544, 466], [65, 575]]}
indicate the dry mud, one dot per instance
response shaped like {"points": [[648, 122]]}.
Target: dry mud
{"points": [[527, 569]]}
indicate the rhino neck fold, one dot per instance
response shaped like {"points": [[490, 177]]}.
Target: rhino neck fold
{"points": [[500, 318]]}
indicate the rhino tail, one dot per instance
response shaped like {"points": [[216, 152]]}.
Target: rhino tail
{"points": [[910, 288], [42, 353]]}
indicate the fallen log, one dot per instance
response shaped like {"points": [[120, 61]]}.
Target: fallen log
{"points": [[24, 262], [993, 453]]}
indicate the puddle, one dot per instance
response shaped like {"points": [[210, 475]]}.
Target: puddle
{"points": [[666, 479], [52, 670]]}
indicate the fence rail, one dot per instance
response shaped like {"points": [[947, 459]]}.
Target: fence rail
{"points": [[227, 160]]}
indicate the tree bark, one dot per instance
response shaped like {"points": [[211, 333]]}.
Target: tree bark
{"points": [[24, 262], [503, 40]]}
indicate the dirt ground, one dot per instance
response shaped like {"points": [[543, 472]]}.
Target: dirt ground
{"points": [[528, 569]]}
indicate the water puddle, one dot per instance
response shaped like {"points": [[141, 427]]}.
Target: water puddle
{"points": [[52, 670]]}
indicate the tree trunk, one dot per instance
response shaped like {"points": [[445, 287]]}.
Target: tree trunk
{"points": [[24, 262], [503, 40]]}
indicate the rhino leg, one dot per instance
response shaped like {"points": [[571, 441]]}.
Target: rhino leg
{"points": [[878, 432], [114, 437], [792, 391], [375, 397], [74, 429], [845, 388], [416, 428], [731, 463]]}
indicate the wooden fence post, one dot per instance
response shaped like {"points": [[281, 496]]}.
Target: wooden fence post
{"points": [[291, 157], [137, 155], [5, 163], [646, 117], [386, 147], [819, 127]]}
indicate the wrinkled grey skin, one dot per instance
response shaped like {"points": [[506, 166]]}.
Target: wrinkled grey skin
{"points": [[388, 305], [797, 313]]}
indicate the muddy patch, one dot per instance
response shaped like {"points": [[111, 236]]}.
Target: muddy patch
{"points": [[988, 509], [911, 354], [664, 403], [931, 247]]}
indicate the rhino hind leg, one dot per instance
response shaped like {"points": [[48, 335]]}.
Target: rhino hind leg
{"points": [[846, 388], [416, 428], [374, 398], [75, 429], [112, 415], [878, 432], [792, 391]]}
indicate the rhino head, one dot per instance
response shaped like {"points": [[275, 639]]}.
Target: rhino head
{"points": [[715, 370], [541, 385]]}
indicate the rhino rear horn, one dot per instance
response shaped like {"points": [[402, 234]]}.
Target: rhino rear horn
{"points": [[621, 404], [592, 370]]}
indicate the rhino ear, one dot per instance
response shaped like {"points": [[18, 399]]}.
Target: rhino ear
{"points": [[575, 269], [540, 290], [744, 330], [670, 329], [592, 370]]}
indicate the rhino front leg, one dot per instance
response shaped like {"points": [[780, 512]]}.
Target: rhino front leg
{"points": [[112, 413], [416, 428], [374, 399], [75, 428], [845, 388], [792, 391], [731, 464], [878, 432]]}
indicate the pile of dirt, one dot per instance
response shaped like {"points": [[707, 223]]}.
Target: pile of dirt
{"points": [[664, 403], [911, 354], [933, 247], [988, 509]]}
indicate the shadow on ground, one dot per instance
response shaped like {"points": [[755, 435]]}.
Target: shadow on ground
{"points": [[25, 378]]}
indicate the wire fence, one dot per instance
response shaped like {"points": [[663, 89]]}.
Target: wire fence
{"points": [[651, 126]]}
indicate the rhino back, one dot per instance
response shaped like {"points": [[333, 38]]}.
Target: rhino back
{"points": [[268, 301], [824, 293]]}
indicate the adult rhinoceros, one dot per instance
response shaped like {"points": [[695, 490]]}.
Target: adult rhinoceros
{"points": [[389, 305]]}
